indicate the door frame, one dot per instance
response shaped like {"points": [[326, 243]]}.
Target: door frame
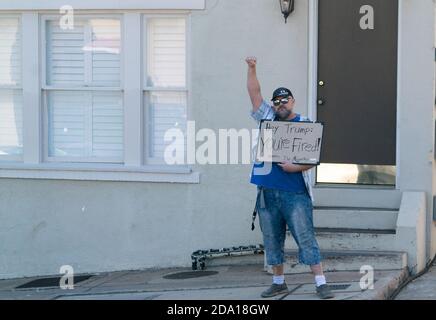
{"points": [[312, 86]]}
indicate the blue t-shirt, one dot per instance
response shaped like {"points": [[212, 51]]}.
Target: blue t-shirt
{"points": [[278, 178]]}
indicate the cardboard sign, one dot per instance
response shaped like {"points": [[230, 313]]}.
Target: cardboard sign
{"points": [[295, 142]]}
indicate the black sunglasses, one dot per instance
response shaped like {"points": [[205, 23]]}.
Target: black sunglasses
{"points": [[278, 102]]}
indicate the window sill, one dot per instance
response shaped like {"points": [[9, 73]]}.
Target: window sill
{"points": [[102, 172]]}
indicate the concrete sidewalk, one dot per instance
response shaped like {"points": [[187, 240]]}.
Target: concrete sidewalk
{"points": [[423, 288], [235, 282]]}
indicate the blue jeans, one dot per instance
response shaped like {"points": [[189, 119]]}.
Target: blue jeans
{"points": [[295, 210]]}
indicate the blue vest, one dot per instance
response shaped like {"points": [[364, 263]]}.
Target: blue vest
{"points": [[279, 179]]}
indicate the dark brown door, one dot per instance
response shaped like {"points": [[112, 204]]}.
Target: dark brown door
{"points": [[357, 80]]}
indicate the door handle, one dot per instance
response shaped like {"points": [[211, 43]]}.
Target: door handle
{"points": [[321, 83], [320, 102]]}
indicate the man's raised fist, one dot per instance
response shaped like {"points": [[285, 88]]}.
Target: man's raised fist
{"points": [[251, 61]]}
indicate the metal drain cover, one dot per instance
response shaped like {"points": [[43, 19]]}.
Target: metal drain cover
{"points": [[189, 275], [50, 282], [339, 286]]}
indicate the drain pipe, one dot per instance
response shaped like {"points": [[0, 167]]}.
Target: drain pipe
{"points": [[405, 283]]}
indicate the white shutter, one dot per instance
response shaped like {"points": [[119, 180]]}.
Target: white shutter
{"points": [[67, 123], [167, 110], [166, 68], [107, 118], [65, 54], [166, 52], [10, 51], [11, 122], [86, 124], [92, 45], [11, 100], [106, 37]]}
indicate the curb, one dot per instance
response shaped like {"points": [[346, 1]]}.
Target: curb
{"points": [[384, 287]]}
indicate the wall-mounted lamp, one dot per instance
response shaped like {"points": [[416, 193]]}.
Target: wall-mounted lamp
{"points": [[287, 7]]}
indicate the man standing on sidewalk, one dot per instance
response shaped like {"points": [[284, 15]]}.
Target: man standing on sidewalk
{"points": [[284, 196]]}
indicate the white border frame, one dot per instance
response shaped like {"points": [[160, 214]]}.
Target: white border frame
{"points": [[34, 168], [101, 5], [313, 69]]}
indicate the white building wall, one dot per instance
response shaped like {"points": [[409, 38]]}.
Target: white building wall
{"points": [[415, 105], [100, 226]]}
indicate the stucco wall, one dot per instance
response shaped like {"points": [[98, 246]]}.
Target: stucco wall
{"points": [[99, 226], [416, 104]]}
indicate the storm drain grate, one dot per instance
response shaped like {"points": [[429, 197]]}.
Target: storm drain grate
{"points": [[50, 282], [189, 275], [339, 286]]}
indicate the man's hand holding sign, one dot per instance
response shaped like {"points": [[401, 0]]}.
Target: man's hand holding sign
{"points": [[292, 168]]}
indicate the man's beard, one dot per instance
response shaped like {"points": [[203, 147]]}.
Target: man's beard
{"points": [[283, 114]]}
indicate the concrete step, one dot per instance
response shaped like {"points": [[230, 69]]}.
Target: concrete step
{"points": [[344, 260], [350, 239], [364, 196], [357, 218]]}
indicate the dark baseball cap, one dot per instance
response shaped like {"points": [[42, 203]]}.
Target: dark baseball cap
{"points": [[281, 92]]}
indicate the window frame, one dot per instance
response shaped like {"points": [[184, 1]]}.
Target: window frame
{"points": [[12, 158], [33, 164], [46, 89], [148, 90]]}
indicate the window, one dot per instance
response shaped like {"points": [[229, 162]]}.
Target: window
{"points": [[165, 94], [72, 100], [83, 96], [11, 101]]}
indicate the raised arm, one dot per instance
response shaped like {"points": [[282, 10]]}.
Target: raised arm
{"points": [[253, 84]]}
